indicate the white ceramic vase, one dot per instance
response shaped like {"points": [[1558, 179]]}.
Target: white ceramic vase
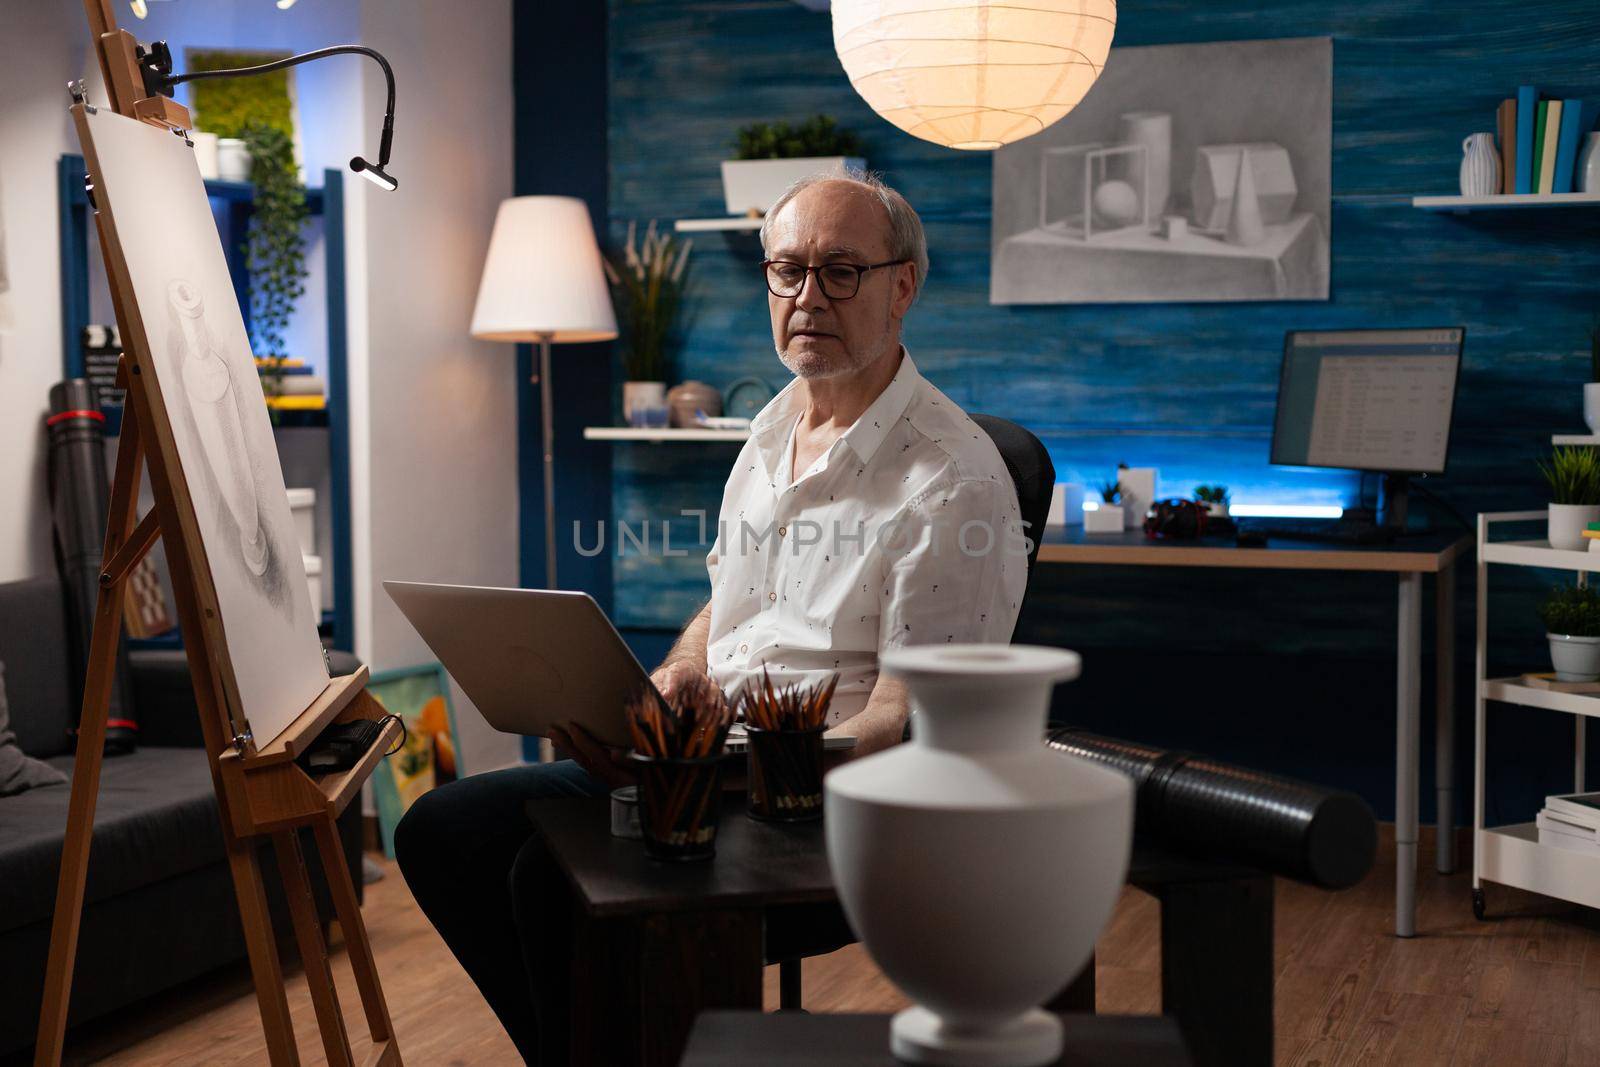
{"points": [[1567, 522], [977, 865], [1576, 659], [1587, 178], [233, 160], [1591, 406], [1153, 130], [641, 397], [1480, 166]]}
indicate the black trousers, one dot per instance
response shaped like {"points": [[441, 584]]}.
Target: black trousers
{"points": [[483, 878]]}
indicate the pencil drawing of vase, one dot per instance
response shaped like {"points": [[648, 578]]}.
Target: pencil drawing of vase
{"points": [[1153, 130], [208, 385]]}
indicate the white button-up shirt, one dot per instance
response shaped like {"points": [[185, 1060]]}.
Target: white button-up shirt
{"points": [[905, 532]]}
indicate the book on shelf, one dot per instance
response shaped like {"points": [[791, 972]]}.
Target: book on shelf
{"points": [[1580, 808], [1536, 178], [263, 363], [298, 403], [297, 371], [302, 385], [1547, 158], [1567, 142], [1506, 126], [1527, 113]]}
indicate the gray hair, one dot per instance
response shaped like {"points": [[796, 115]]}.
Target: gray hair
{"points": [[906, 239]]}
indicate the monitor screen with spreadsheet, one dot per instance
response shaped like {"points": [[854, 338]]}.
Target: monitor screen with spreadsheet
{"points": [[1370, 400]]}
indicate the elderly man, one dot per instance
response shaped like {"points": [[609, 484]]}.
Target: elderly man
{"points": [[866, 512]]}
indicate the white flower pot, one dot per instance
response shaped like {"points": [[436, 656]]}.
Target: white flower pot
{"points": [[755, 184], [1576, 659], [233, 160], [641, 396], [978, 866], [1591, 406], [1106, 518], [1567, 522], [1215, 510]]}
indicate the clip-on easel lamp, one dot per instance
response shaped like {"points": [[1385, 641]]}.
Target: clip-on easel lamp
{"points": [[155, 63]]}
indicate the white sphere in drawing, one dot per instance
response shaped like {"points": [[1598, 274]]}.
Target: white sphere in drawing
{"points": [[208, 385], [973, 74], [977, 865], [1116, 203]]}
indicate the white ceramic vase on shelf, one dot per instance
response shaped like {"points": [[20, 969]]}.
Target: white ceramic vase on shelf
{"points": [[1576, 659], [1588, 175], [978, 865], [639, 397], [1567, 522], [1591, 406], [1480, 166]]}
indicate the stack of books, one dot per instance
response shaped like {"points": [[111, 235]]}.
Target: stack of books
{"points": [[1540, 139], [1572, 821], [298, 389]]}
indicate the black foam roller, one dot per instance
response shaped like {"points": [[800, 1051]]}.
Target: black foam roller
{"points": [[1326, 837], [79, 492]]}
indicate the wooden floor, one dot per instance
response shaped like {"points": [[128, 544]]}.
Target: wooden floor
{"points": [[1523, 988]]}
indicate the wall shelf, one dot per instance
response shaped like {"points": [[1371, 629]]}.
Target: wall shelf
{"points": [[1575, 439], [1539, 554], [660, 434], [1503, 202], [735, 224]]}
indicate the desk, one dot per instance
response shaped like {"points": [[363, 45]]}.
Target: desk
{"points": [[748, 1039], [1408, 558]]}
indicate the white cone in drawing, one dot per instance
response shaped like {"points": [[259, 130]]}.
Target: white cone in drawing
{"points": [[1244, 220]]}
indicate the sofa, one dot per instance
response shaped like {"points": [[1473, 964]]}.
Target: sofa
{"points": [[159, 907]]}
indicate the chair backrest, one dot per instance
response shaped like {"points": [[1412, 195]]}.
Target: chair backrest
{"points": [[1031, 472]]}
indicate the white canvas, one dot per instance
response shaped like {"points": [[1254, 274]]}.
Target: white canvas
{"points": [[149, 183], [1137, 195]]}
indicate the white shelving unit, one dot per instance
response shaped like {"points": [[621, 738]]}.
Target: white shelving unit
{"points": [[1512, 855], [1505, 202], [733, 224], [1575, 439], [662, 434]]}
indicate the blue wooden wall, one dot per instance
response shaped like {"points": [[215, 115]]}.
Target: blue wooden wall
{"points": [[1188, 388]]}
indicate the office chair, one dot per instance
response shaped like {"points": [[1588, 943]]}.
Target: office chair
{"points": [[797, 931]]}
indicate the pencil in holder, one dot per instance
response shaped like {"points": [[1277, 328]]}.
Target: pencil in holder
{"points": [[785, 774], [679, 804]]}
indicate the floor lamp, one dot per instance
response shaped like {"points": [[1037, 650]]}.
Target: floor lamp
{"points": [[542, 282]]}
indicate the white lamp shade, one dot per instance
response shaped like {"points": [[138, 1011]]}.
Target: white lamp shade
{"points": [[973, 74], [543, 275]]}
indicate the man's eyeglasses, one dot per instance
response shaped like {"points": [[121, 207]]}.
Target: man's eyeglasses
{"points": [[839, 281]]}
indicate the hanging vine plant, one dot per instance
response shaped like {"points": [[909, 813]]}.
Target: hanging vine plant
{"points": [[275, 249]]}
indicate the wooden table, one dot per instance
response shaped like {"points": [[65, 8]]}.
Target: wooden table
{"points": [[750, 1039], [1408, 558], [657, 943]]}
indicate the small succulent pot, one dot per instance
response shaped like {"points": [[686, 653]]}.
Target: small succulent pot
{"points": [[785, 774], [680, 802], [1576, 659]]}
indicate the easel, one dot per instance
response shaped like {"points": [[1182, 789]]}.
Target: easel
{"points": [[260, 791]]}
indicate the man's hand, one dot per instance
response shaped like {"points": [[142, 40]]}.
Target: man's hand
{"points": [[610, 765], [670, 678]]}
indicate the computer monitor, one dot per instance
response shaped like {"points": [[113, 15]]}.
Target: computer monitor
{"points": [[1369, 400]]}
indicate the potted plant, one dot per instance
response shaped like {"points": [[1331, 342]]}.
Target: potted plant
{"points": [[1571, 619], [1214, 498], [771, 156], [1574, 476], [274, 248], [1591, 390], [648, 280], [1107, 516]]}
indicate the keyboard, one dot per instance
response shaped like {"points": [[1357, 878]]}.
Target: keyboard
{"points": [[1339, 531]]}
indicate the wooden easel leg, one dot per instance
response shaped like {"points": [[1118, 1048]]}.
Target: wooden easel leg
{"points": [[313, 949], [357, 947], [265, 969], [86, 762]]}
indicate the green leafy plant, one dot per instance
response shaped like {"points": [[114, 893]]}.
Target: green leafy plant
{"points": [[1573, 610], [1110, 492], [227, 106], [274, 249], [1211, 494], [1574, 475], [648, 282], [817, 136]]}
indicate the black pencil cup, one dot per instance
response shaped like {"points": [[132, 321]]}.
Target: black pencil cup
{"points": [[680, 801], [785, 774]]}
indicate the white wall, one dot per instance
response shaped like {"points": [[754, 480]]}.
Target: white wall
{"points": [[34, 132], [440, 407]]}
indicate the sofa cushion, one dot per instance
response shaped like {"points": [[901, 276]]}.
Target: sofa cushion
{"points": [[33, 645], [156, 817], [19, 772]]}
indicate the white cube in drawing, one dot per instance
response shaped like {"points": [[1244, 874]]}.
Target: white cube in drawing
{"points": [[1138, 485], [1216, 173]]}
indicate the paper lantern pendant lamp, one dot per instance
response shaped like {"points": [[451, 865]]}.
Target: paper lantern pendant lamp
{"points": [[973, 74]]}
